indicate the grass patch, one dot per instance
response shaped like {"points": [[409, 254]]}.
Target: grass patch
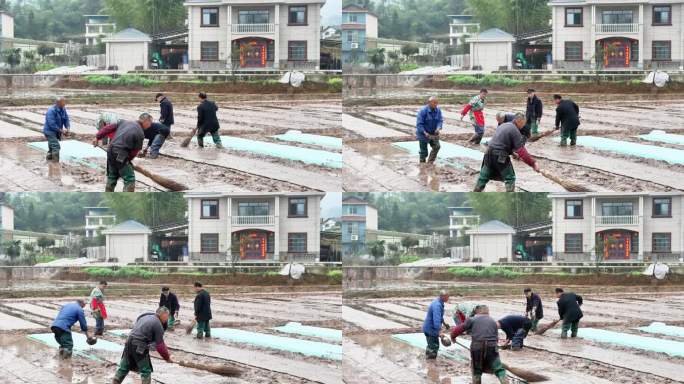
{"points": [[123, 272], [335, 273], [45, 259], [408, 259], [408, 67], [486, 80], [335, 84], [45, 66], [123, 80], [487, 272]]}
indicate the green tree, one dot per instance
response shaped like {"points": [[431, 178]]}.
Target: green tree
{"points": [[150, 16], [377, 57], [409, 242], [12, 56], [513, 16], [376, 248], [12, 248], [45, 50], [148, 208], [45, 242], [409, 50]]}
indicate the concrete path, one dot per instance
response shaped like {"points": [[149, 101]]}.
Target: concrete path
{"points": [[368, 321], [367, 129]]}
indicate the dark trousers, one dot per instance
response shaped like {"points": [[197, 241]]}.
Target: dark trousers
{"points": [[53, 146], [99, 325], [432, 346], [518, 339], [434, 145], [65, 341]]}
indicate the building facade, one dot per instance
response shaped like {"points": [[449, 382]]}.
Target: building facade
{"points": [[461, 219], [618, 227], [359, 25], [460, 27], [644, 34], [358, 216], [253, 35], [254, 227], [97, 219], [97, 27], [491, 242], [128, 242]]}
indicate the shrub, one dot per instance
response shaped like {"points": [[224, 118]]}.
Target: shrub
{"points": [[487, 272], [123, 80], [335, 84], [123, 272], [408, 259], [335, 274], [486, 80], [408, 67]]}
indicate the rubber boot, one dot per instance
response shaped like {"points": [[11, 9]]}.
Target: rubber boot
{"points": [[477, 139], [472, 138], [502, 380], [564, 335], [116, 381], [218, 145], [477, 379], [55, 157], [200, 142], [573, 142], [48, 157], [66, 354], [479, 188], [109, 188], [563, 143], [510, 187], [129, 187], [433, 155], [147, 380]]}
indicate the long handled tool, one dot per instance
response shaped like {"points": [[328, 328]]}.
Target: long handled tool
{"points": [[188, 139], [543, 134], [174, 186], [569, 186], [189, 328], [528, 376], [218, 369], [542, 329]]}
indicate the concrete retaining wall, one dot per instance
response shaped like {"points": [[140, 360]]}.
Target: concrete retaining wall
{"points": [[18, 81]]}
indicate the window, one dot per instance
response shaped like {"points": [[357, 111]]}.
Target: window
{"points": [[573, 209], [297, 15], [297, 207], [353, 18], [209, 242], [573, 243], [573, 17], [210, 17], [662, 15], [573, 51], [662, 207], [296, 242], [617, 17], [296, 50], [634, 53], [662, 50], [662, 242], [253, 209], [210, 209], [353, 228], [209, 51], [256, 16], [617, 209]]}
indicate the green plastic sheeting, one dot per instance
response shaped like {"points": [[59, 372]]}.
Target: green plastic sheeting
{"points": [[448, 152], [672, 156], [306, 138], [669, 347], [305, 330], [306, 155], [81, 347], [663, 329], [74, 150], [264, 340], [663, 137], [454, 352]]}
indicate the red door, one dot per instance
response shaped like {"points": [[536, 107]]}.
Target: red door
{"points": [[616, 53], [253, 246], [616, 246], [253, 54]]}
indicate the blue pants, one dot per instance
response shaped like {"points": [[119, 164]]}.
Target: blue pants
{"points": [[156, 145], [99, 324], [518, 338], [479, 129]]}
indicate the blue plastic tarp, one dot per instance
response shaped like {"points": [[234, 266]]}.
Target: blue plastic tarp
{"points": [[306, 155], [81, 347], [663, 137], [306, 330], [73, 150], [454, 352], [670, 155], [264, 340], [663, 329], [307, 138], [653, 344]]}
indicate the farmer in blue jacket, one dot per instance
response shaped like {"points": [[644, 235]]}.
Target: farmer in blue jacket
{"points": [[68, 315], [432, 326], [56, 124], [428, 124]]}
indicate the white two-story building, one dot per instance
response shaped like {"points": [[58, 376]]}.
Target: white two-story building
{"points": [[644, 34], [254, 34], [618, 226], [254, 227]]}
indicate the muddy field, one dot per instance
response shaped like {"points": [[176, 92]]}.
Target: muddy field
{"points": [[381, 154], [255, 157], [382, 336], [295, 360]]}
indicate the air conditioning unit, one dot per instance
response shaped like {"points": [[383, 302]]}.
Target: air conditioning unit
{"points": [[354, 45], [354, 237]]}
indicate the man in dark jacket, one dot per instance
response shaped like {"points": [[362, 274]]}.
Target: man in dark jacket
{"points": [[156, 136], [496, 164], [567, 118], [170, 301], [166, 110], [533, 308], [484, 353], [123, 148], [569, 311], [56, 124], [207, 122], [147, 331], [516, 328], [534, 112], [202, 311]]}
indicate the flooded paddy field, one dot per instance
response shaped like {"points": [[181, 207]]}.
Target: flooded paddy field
{"points": [[618, 341], [630, 142], [291, 144], [270, 335]]}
